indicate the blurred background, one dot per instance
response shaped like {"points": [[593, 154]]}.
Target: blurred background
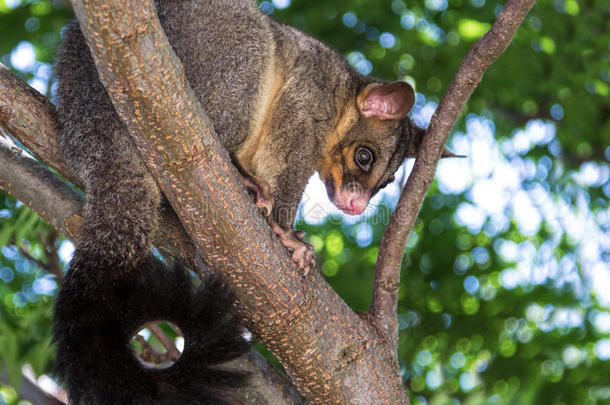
{"points": [[505, 285]]}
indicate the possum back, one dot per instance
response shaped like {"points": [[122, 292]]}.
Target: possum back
{"points": [[225, 47]]}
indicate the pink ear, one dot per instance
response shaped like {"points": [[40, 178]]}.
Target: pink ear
{"points": [[388, 101]]}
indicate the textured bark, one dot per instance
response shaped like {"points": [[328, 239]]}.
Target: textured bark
{"points": [[33, 184], [30, 117], [332, 354], [385, 294], [59, 204]]}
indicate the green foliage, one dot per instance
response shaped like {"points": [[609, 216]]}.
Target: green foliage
{"points": [[504, 311], [32, 22], [25, 306], [556, 68]]}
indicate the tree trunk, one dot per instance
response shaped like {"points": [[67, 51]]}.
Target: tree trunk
{"points": [[332, 354]]}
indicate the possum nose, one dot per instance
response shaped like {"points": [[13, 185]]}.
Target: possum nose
{"points": [[352, 199], [355, 207]]}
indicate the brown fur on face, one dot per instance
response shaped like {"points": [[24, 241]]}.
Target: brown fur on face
{"points": [[348, 185]]}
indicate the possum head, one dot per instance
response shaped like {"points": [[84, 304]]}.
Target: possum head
{"points": [[370, 141]]}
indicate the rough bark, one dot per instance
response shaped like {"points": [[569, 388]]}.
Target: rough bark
{"points": [[487, 49], [332, 354], [30, 117], [60, 205]]}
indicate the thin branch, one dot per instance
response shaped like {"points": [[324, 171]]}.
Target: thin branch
{"points": [[25, 252], [172, 352], [150, 355], [385, 294], [52, 254], [52, 265]]}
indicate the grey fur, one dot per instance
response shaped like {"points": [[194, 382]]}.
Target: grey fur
{"points": [[224, 46], [228, 49]]}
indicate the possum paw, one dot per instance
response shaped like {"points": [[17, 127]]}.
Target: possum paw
{"points": [[260, 191], [302, 252]]}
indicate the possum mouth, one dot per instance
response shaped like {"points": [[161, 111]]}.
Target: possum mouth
{"points": [[352, 198]]}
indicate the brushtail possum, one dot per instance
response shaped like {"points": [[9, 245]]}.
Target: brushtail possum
{"points": [[284, 105]]}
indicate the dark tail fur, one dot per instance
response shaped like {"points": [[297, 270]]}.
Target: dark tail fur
{"points": [[95, 320]]}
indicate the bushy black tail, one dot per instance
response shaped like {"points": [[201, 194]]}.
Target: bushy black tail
{"points": [[96, 316]]}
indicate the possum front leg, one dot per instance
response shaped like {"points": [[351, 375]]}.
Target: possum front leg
{"points": [[302, 252], [260, 190]]}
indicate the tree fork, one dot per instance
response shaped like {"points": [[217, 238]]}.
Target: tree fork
{"points": [[193, 155], [332, 354]]}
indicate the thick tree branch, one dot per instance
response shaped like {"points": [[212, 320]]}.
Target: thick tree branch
{"points": [[60, 205], [33, 184], [333, 355], [481, 55], [30, 117]]}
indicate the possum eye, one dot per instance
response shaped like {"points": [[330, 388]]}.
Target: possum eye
{"points": [[364, 158]]}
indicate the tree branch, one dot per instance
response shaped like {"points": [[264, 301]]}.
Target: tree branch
{"points": [[52, 265], [165, 341], [33, 184], [487, 49], [52, 254], [60, 205], [329, 351], [30, 117], [150, 355]]}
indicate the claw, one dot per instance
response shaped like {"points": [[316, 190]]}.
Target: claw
{"points": [[260, 191], [303, 256], [302, 252]]}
